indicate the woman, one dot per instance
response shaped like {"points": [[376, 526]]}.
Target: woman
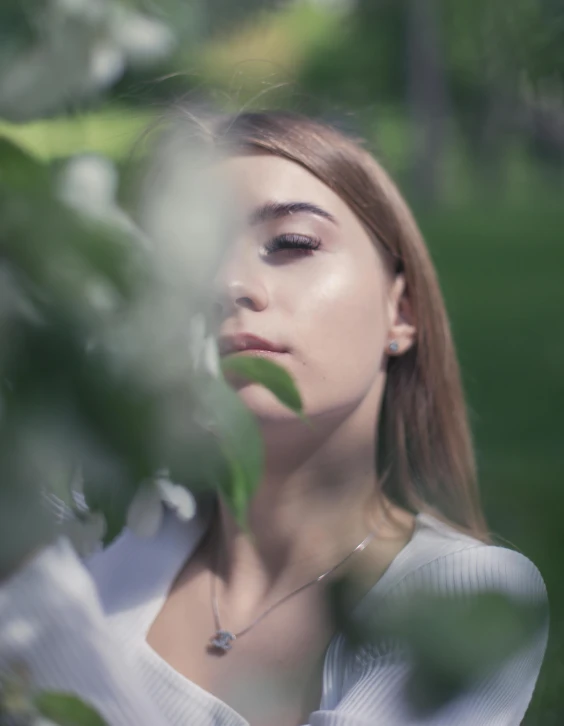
{"points": [[329, 277]]}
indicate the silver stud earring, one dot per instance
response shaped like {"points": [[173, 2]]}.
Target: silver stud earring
{"points": [[393, 346]]}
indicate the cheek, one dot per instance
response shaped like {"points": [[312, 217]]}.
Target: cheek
{"points": [[335, 319], [341, 325]]}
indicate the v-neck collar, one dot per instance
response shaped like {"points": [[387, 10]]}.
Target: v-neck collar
{"points": [[146, 585], [181, 540]]}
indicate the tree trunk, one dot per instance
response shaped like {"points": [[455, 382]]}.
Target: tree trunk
{"points": [[427, 97]]}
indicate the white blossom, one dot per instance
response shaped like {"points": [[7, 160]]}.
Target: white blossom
{"points": [[205, 354], [88, 183], [79, 48], [145, 514], [211, 356], [142, 39], [106, 64], [177, 498]]}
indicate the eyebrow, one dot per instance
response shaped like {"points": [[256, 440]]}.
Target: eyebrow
{"points": [[277, 210]]}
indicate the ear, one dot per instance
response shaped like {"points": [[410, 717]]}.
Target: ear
{"points": [[402, 332]]}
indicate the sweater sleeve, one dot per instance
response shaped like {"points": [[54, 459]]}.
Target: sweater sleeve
{"points": [[375, 684], [51, 622]]}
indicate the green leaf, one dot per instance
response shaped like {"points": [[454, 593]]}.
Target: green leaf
{"points": [[18, 169], [269, 374], [237, 490], [67, 710], [452, 642], [241, 444]]}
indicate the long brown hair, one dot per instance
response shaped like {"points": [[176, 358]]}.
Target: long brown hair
{"points": [[426, 458]]}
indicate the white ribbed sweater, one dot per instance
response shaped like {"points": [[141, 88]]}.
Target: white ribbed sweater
{"points": [[85, 631]]}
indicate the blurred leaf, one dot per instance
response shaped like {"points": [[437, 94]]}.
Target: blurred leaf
{"points": [[67, 710], [71, 53], [237, 490], [62, 259], [18, 168], [269, 374], [16, 706], [452, 642], [110, 131], [192, 454], [24, 526], [478, 634], [241, 442], [122, 411]]}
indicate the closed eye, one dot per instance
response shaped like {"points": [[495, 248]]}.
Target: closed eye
{"points": [[299, 243]]}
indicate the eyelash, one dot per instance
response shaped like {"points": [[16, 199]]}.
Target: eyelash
{"points": [[295, 242]]}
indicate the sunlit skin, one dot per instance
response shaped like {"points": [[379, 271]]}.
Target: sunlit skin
{"points": [[316, 285], [326, 304], [333, 305]]}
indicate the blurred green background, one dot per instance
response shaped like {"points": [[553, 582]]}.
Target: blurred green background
{"points": [[463, 102]]}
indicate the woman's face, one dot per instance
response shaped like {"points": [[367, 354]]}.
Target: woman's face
{"points": [[303, 275]]}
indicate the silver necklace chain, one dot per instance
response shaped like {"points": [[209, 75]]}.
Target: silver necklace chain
{"points": [[223, 639]]}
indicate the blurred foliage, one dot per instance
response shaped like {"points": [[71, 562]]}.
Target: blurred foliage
{"points": [[478, 635], [269, 51], [66, 710], [20, 705], [55, 53], [107, 360], [268, 374], [109, 131]]}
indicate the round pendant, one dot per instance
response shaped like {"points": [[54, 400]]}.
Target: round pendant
{"points": [[222, 640]]}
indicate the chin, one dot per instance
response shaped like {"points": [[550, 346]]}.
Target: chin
{"points": [[263, 403]]}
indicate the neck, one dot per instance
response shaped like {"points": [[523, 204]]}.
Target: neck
{"points": [[317, 502]]}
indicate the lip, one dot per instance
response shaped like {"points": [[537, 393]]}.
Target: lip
{"points": [[247, 343]]}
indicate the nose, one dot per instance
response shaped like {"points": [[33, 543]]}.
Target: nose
{"points": [[239, 285]]}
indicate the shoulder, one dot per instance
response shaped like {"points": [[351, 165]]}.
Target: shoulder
{"points": [[448, 562], [482, 569], [136, 569], [426, 622]]}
